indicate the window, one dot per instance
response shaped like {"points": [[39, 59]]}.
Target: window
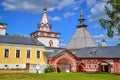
{"points": [[95, 66], [17, 65], [6, 65], [38, 54], [89, 66], [28, 53], [50, 43], [6, 54], [17, 53]]}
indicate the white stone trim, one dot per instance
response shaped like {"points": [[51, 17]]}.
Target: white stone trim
{"points": [[10, 66]]}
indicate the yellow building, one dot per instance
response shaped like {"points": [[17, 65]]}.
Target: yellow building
{"points": [[28, 52], [18, 52]]}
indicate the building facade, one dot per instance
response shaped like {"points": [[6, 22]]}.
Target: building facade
{"points": [[83, 55], [42, 47], [86, 60], [19, 52]]}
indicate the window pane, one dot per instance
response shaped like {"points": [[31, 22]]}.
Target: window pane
{"points": [[6, 54], [38, 54], [28, 53], [17, 53]]}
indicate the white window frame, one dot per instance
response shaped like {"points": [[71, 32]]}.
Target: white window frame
{"points": [[40, 54], [89, 66], [30, 53], [15, 53], [4, 53]]}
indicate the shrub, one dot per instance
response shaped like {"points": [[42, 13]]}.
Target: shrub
{"points": [[49, 69]]}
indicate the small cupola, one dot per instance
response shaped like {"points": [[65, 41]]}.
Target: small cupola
{"points": [[103, 42]]}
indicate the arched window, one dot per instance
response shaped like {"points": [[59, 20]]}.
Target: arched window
{"points": [[51, 43]]}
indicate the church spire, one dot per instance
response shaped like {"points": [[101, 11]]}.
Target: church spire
{"points": [[45, 8], [81, 20], [44, 17], [44, 24]]}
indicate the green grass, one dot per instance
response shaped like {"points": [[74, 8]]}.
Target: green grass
{"points": [[59, 76]]}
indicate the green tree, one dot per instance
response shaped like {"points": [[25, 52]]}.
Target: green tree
{"points": [[49, 69], [113, 21]]}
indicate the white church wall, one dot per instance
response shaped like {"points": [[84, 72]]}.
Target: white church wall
{"points": [[2, 31], [46, 40]]}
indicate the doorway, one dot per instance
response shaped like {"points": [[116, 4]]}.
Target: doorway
{"points": [[64, 66], [106, 68]]}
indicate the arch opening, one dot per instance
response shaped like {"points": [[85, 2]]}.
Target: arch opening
{"points": [[64, 65]]}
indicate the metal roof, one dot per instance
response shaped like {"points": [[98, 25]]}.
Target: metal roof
{"points": [[98, 52], [53, 52], [19, 40], [81, 39], [89, 52]]}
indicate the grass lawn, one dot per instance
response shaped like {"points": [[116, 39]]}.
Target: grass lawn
{"points": [[59, 76]]}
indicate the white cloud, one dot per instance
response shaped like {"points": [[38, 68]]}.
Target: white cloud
{"points": [[36, 6], [22, 5], [96, 26], [100, 37], [76, 8], [65, 3], [90, 2], [97, 11], [55, 18], [68, 14]]}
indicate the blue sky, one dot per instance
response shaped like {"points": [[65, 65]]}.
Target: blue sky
{"points": [[22, 17]]}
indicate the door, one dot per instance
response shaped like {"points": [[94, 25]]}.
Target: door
{"points": [[106, 68]]}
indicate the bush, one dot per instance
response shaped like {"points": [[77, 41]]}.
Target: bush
{"points": [[49, 69]]}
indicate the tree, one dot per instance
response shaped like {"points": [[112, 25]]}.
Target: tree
{"points": [[49, 69], [118, 44], [113, 21]]}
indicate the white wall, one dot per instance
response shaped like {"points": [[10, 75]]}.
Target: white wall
{"points": [[9, 66], [2, 31], [37, 68], [46, 40]]}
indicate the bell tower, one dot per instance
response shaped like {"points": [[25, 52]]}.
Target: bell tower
{"points": [[44, 33], [2, 28]]}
